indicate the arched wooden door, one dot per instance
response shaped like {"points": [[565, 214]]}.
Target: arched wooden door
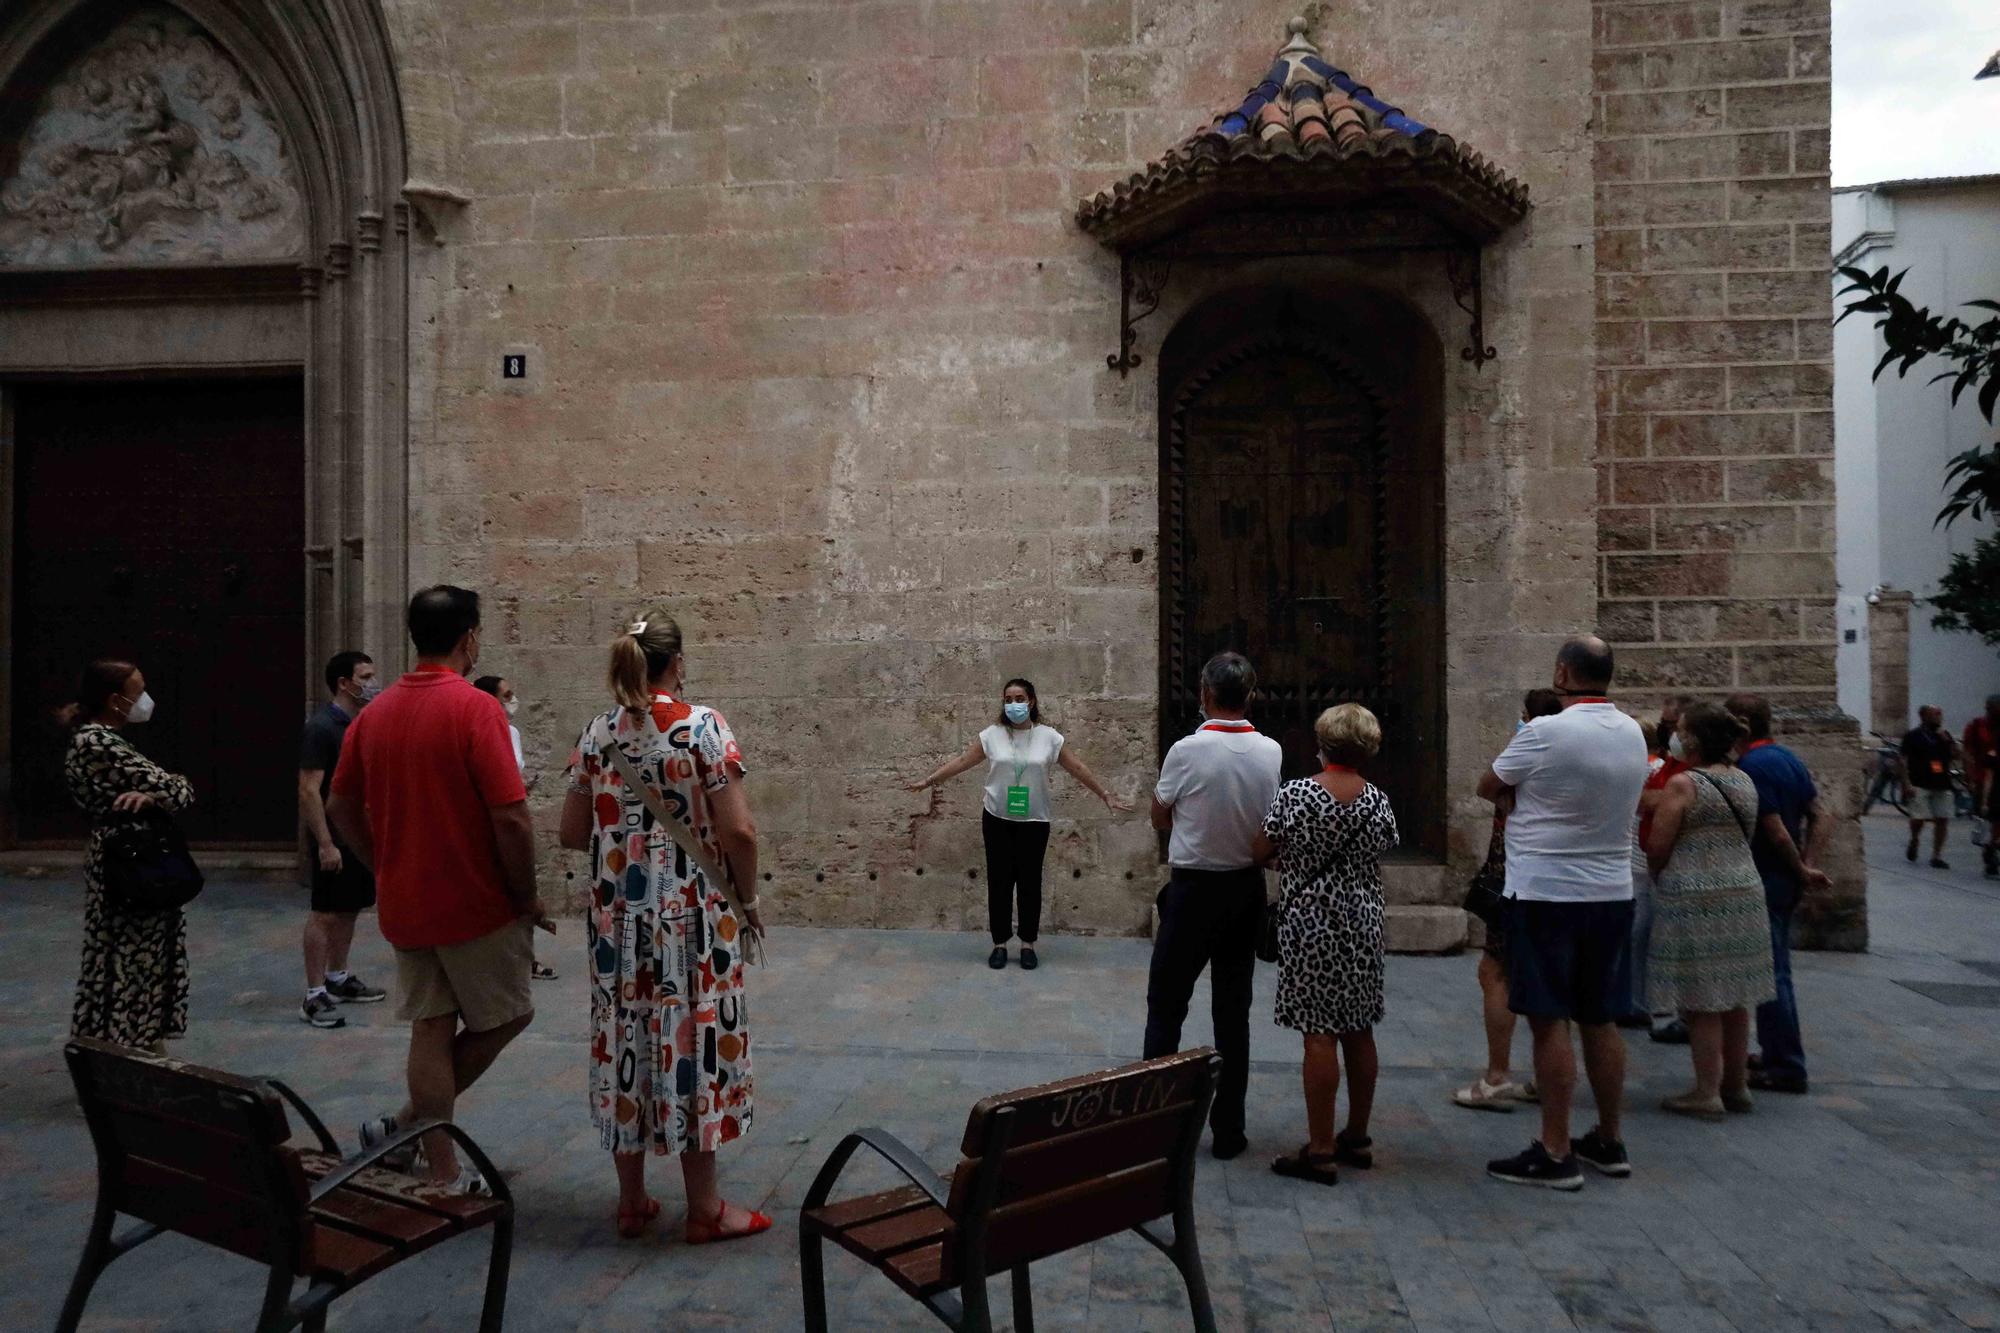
{"points": [[1292, 532]]}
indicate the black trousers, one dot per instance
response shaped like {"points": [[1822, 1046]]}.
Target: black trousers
{"points": [[1208, 918], [1014, 852]]}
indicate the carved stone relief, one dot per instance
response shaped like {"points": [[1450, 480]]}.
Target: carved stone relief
{"points": [[152, 147]]}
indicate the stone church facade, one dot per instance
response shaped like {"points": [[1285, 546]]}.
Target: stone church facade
{"points": [[899, 348]]}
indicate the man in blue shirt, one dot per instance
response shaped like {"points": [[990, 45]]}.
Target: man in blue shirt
{"points": [[1789, 817]]}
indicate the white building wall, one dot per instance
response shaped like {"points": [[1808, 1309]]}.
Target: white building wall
{"points": [[1894, 437]]}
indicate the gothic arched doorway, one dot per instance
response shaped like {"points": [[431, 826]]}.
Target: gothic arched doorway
{"points": [[203, 367], [1301, 499]]}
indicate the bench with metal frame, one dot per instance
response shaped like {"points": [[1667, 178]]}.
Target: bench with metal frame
{"points": [[208, 1155], [1045, 1169]]}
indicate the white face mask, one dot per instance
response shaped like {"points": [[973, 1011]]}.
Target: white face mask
{"points": [[1675, 748], [141, 709], [513, 706]]}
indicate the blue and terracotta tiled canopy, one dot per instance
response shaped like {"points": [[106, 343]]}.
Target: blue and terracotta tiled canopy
{"points": [[1310, 139]]}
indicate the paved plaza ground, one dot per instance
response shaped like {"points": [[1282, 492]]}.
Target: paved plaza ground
{"points": [[1869, 1204]]}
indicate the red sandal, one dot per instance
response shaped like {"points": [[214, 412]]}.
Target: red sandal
{"points": [[707, 1233], [632, 1222]]}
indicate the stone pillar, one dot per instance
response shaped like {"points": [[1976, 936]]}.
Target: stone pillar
{"points": [[1829, 742], [1889, 661]]}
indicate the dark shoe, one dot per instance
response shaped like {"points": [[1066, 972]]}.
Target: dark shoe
{"points": [[1028, 960], [1607, 1156], [1305, 1164], [1225, 1149], [1939, 863], [378, 1129], [541, 971], [351, 989], [321, 1011], [1536, 1167], [1352, 1150], [1673, 1033], [998, 958], [1765, 1081]]}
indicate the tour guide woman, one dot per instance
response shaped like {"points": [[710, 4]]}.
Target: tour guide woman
{"points": [[1017, 751], [670, 1051]]}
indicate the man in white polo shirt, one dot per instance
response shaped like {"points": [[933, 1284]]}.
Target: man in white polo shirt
{"points": [[1214, 790], [1573, 781]]}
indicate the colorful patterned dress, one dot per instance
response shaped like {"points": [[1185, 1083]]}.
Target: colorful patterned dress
{"points": [[133, 985], [1711, 945], [670, 1034]]}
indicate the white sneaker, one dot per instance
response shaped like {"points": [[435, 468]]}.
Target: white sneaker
{"points": [[1480, 1095]]}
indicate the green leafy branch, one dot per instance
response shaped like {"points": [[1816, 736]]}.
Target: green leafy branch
{"points": [[1911, 334]]}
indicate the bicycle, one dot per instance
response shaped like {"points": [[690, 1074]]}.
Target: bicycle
{"points": [[1884, 773]]}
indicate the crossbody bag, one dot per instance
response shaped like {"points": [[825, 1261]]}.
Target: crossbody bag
{"points": [[1748, 835], [752, 938]]}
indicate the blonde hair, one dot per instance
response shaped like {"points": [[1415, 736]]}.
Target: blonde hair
{"points": [[646, 648], [1348, 734]]}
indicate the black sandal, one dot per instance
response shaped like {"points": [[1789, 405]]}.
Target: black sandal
{"points": [[1352, 1150], [541, 971], [1305, 1164]]}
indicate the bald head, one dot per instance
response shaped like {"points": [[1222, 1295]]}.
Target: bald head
{"points": [[1583, 664]]}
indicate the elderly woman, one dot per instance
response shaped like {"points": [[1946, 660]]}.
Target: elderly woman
{"points": [[133, 985], [1327, 834], [1710, 956], [1018, 752], [670, 1044]]}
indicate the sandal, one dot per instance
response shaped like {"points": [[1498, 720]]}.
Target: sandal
{"points": [[542, 971], [1352, 1150], [1305, 1164], [1695, 1106], [632, 1222], [707, 1233]]}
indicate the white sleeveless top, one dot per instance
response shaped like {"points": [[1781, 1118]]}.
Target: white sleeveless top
{"points": [[1019, 759]]}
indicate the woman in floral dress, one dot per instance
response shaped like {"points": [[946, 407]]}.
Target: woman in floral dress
{"points": [[133, 985], [670, 1033]]}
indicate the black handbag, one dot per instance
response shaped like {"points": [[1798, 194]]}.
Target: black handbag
{"points": [[1484, 897], [147, 867]]}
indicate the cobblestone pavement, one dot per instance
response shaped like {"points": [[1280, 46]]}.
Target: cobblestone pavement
{"points": [[1869, 1204]]}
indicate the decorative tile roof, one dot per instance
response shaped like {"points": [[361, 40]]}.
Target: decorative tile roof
{"points": [[1309, 135]]}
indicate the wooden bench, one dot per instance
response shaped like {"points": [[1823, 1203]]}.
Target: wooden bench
{"points": [[207, 1154], [1045, 1170]]}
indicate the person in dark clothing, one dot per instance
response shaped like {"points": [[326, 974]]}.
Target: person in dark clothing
{"points": [[341, 886], [1982, 767], [1928, 750], [1790, 817]]}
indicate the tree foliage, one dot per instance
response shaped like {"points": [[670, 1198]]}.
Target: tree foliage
{"points": [[1912, 334], [1968, 595]]}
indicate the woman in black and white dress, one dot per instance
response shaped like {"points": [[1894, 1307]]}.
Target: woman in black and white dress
{"points": [[1327, 834], [1018, 752]]}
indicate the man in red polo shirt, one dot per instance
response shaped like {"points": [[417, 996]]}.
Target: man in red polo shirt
{"points": [[428, 793]]}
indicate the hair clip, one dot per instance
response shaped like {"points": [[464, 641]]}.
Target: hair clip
{"points": [[636, 628]]}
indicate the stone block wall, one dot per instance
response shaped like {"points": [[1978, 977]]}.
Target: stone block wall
{"points": [[1715, 361], [816, 361]]}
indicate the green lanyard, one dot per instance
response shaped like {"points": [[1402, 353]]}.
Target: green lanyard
{"points": [[1017, 794]]}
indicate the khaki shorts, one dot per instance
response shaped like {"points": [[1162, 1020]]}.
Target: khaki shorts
{"points": [[484, 981], [1932, 804]]}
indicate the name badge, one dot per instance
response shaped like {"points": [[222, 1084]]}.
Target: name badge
{"points": [[1017, 802]]}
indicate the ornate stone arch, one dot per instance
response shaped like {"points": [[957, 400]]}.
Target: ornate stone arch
{"points": [[326, 73]]}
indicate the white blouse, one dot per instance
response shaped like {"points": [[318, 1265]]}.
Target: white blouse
{"points": [[1019, 759]]}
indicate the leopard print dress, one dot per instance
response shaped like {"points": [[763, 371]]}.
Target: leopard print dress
{"points": [[133, 985], [1330, 917]]}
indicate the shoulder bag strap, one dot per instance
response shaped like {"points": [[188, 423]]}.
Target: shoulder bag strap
{"points": [[1748, 836], [753, 941]]}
